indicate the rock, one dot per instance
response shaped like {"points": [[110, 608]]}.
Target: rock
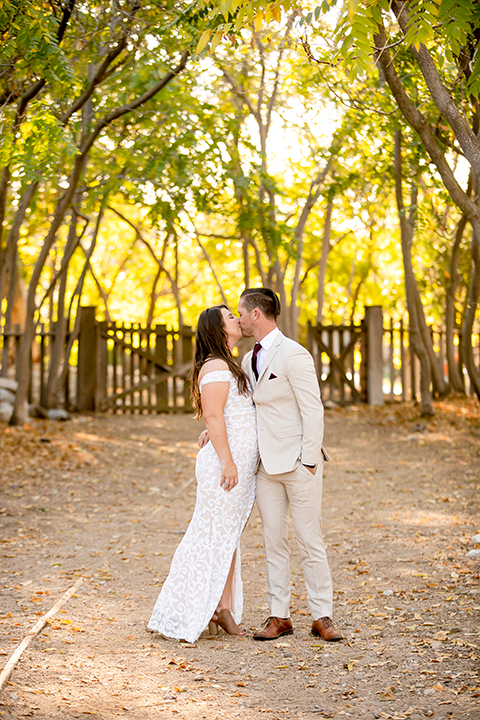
{"points": [[6, 410], [476, 539], [7, 396], [388, 593], [58, 414], [37, 411], [474, 554], [419, 427], [8, 384]]}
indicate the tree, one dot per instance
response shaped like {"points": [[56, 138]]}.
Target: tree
{"points": [[442, 39], [78, 105]]}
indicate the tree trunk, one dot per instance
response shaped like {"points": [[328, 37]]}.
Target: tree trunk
{"points": [[439, 93], [284, 319], [246, 263], [10, 251], [78, 291], [355, 295], [407, 225], [454, 374], [350, 288], [422, 126], [322, 268], [23, 370], [52, 392], [312, 197], [211, 266], [153, 297], [4, 180], [258, 263], [435, 363], [15, 312], [472, 305]]}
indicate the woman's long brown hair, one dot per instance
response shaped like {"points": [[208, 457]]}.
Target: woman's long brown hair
{"points": [[211, 341]]}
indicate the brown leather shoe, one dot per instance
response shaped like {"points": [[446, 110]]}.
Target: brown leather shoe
{"points": [[274, 628], [324, 628]]}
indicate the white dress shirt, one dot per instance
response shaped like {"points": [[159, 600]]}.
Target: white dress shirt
{"points": [[266, 344]]}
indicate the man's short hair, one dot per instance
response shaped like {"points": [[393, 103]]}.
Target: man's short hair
{"points": [[262, 298]]}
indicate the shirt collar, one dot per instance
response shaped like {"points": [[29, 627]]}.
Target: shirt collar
{"points": [[269, 339]]}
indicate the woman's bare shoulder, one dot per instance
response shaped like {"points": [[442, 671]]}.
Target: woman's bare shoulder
{"points": [[212, 365]]}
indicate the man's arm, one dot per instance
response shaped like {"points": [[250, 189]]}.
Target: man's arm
{"points": [[203, 439]]}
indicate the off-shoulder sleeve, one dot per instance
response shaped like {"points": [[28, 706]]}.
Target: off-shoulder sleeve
{"points": [[215, 376]]}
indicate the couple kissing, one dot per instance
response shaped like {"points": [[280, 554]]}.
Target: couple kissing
{"points": [[263, 441]]}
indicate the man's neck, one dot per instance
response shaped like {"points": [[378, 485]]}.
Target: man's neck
{"points": [[260, 333]]}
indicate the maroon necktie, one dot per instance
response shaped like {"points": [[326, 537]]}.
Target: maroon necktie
{"points": [[256, 350]]}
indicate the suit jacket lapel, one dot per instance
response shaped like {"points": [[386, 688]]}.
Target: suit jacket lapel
{"points": [[249, 371], [271, 354]]}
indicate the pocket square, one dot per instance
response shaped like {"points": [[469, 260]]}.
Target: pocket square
{"points": [[272, 376]]}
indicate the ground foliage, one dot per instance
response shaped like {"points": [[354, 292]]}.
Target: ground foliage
{"points": [[108, 499]]}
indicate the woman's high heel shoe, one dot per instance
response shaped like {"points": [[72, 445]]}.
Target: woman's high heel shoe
{"points": [[223, 618], [212, 627]]}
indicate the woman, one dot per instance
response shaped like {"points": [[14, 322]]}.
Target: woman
{"points": [[204, 584]]}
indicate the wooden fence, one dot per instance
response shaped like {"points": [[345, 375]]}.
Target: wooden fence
{"points": [[117, 367], [341, 354], [402, 367], [131, 368], [39, 364], [143, 369]]}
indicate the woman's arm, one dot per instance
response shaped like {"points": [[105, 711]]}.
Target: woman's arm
{"points": [[214, 397]]}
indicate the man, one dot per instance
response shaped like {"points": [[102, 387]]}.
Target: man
{"points": [[290, 434]]}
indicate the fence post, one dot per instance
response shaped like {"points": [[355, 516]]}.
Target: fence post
{"points": [[87, 359], [312, 348], [101, 385], [161, 356], [187, 347], [374, 348]]}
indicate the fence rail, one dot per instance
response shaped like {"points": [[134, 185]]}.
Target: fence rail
{"points": [[39, 361], [143, 369], [118, 367], [340, 353], [132, 368]]}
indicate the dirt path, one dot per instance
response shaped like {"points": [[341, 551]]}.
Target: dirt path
{"points": [[107, 499]]}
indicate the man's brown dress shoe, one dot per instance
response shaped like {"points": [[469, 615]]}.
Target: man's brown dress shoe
{"points": [[324, 628], [273, 628]]}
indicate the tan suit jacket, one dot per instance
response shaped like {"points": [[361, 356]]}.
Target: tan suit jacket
{"points": [[289, 408]]}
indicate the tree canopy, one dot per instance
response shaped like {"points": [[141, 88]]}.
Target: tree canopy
{"points": [[157, 158]]}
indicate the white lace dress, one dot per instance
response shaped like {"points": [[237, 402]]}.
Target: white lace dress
{"points": [[202, 561]]}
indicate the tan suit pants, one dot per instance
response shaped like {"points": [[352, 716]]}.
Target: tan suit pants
{"points": [[302, 492]]}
